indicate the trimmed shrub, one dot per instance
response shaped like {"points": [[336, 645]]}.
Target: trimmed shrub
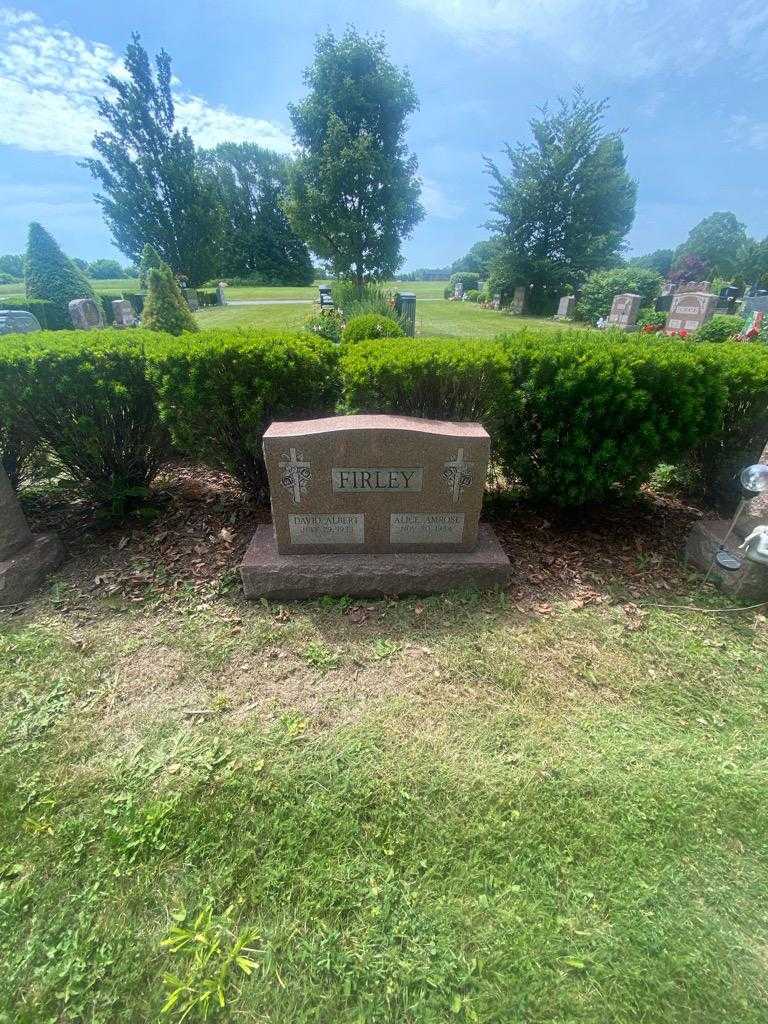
{"points": [[88, 397], [165, 308], [574, 417], [50, 316], [448, 291], [50, 275], [720, 327], [371, 325], [206, 298], [737, 427], [448, 379], [602, 286], [473, 295], [220, 390], [649, 317]]}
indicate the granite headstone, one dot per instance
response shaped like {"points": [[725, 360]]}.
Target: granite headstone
{"points": [[373, 505], [86, 314], [17, 321], [122, 313], [25, 559], [624, 310], [690, 310], [566, 307]]}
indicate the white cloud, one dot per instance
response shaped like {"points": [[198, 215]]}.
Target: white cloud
{"points": [[436, 203], [748, 132], [624, 38], [49, 76]]}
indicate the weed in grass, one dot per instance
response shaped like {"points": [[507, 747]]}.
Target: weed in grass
{"points": [[209, 959], [321, 656]]}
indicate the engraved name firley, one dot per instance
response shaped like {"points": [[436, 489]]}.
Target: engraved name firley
{"points": [[354, 481]]}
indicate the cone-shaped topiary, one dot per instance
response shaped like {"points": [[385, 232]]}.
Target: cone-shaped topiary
{"points": [[150, 260], [51, 275], [165, 308]]}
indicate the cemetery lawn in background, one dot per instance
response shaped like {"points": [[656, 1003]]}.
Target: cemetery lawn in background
{"points": [[542, 805], [433, 319]]}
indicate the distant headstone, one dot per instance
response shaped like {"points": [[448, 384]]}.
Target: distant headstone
{"points": [[192, 300], [754, 304], [324, 296], [17, 321], [405, 307], [624, 310], [496, 302], [86, 314], [25, 559], [458, 290], [664, 302], [220, 300], [518, 300], [565, 307], [690, 310], [373, 505], [122, 313]]}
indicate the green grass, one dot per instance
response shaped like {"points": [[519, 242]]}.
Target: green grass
{"points": [[452, 812], [128, 284], [433, 318]]}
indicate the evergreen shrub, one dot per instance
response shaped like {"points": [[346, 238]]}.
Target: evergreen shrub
{"points": [[89, 399], [220, 390], [50, 275], [468, 278], [165, 308], [371, 325], [720, 327], [602, 286]]}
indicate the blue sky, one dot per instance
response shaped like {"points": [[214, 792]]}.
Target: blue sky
{"points": [[687, 80]]}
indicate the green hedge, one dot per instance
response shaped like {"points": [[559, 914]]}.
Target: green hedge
{"points": [[574, 417], [220, 390], [88, 398]]}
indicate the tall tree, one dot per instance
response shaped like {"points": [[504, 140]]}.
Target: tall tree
{"points": [[257, 239], [753, 262], [567, 204], [479, 258], [154, 190], [354, 193], [717, 240], [660, 260]]}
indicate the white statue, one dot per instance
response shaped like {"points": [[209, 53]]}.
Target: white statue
{"points": [[756, 545]]}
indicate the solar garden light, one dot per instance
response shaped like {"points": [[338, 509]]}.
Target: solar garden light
{"points": [[754, 482]]}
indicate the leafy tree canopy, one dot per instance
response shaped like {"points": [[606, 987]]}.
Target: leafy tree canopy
{"points": [[717, 240], [103, 270], [660, 260], [689, 267], [479, 258], [566, 205], [12, 265], [602, 286], [753, 262], [257, 239], [354, 193], [153, 188]]}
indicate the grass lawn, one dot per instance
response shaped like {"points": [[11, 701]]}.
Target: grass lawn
{"points": [[547, 805], [433, 318]]}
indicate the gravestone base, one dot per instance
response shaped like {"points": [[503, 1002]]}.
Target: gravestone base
{"points": [[266, 573], [750, 582], [23, 572]]}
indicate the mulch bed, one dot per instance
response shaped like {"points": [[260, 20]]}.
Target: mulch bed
{"points": [[203, 522]]}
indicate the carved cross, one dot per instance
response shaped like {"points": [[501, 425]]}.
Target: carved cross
{"points": [[458, 473], [296, 473]]}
